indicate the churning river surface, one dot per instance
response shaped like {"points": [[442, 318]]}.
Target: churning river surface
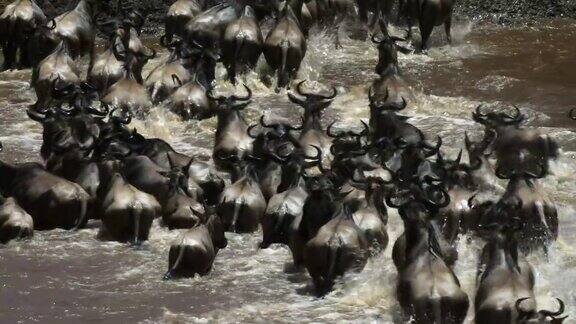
{"points": [[72, 277]]}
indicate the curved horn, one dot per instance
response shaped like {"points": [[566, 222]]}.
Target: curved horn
{"points": [[176, 79], [471, 201], [36, 115], [245, 98], [318, 156], [504, 176], [263, 123], [249, 131], [299, 88], [296, 100], [439, 203], [467, 142], [329, 131], [521, 312], [572, 113], [478, 115], [556, 313], [374, 40], [366, 129], [53, 22], [459, 158]]}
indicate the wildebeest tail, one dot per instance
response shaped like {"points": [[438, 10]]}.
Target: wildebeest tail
{"points": [[136, 213], [282, 73], [235, 213], [237, 50], [334, 254]]}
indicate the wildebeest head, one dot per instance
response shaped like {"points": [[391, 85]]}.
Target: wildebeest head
{"points": [[313, 103], [542, 316], [495, 119], [479, 152], [456, 173], [294, 165], [379, 106], [387, 51], [225, 105], [347, 142]]}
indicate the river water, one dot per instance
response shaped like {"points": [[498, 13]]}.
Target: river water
{"points": [[71, 277]]}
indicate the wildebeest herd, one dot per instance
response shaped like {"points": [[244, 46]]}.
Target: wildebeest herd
{"points": [[323, 192]]}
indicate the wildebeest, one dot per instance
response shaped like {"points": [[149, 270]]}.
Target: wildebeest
{"points": [[242, 44], [285, 47], [208, 26], [532, 316], [127, 213], [536, 210], [428, 290], [429, 13], [77, 28], [195, 250], [242, 204], [390, 89], [232, 137], [57, 69], [313, 135], [504, 276], [53, 202], [338, 246], [179, 14], [18, 23], [514, 146], [127, 93]]}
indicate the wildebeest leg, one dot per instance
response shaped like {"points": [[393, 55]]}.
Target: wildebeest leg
{"points": [[231, 70], [410, 24], [401, 4], [9, 51], [425, 30], [447, 28], [24, 59], [336, 27]]}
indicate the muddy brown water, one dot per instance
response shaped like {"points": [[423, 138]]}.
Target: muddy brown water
{"points": [[71, 277]]}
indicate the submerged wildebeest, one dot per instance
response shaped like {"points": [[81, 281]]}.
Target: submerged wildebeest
{"points": [[18, 23], [127, 213], [53, 202], [428, 290], [196, 249], [504, 276], [515, 147], [242, 204], [338, 246]]}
